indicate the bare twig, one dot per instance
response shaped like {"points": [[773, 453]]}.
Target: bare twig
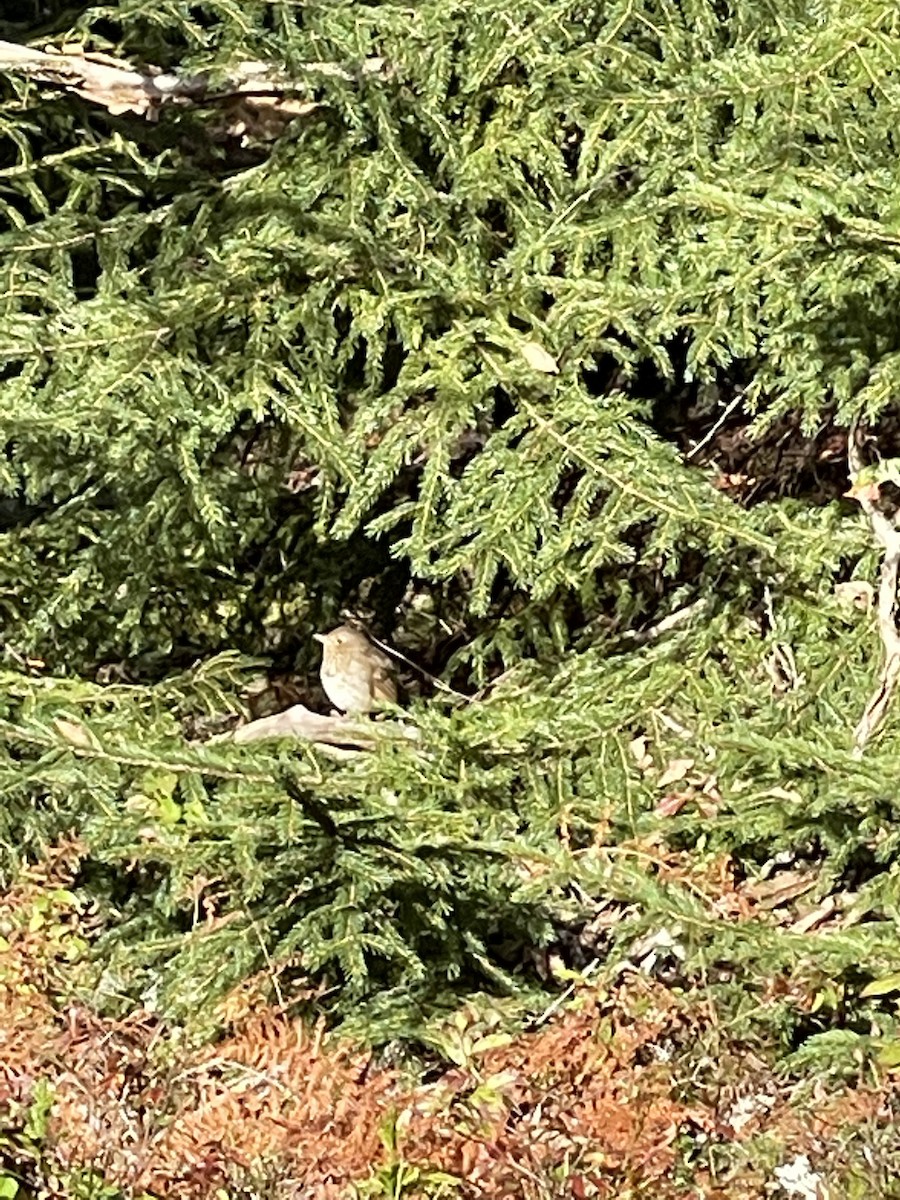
{"points": [[556, 1005], [120, 88], [888, 536], [704, 441], [820, 913], [672, 621]]}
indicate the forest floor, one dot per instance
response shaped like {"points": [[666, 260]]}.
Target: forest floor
{"points": [[633, 1087]]}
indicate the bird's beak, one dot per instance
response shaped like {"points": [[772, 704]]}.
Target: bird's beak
{"points": [[319, 637]]}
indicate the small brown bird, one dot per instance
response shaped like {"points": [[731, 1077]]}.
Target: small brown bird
{"points": [[356, 675]]}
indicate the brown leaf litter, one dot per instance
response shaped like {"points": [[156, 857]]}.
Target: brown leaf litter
{"points": [[590, 1104]]}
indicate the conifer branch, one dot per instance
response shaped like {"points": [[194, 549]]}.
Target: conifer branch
{"points": [[627, 486], [125, 756]]}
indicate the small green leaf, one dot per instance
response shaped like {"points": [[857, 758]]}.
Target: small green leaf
{"points": [[492, 1041], [169, 809], [38, 1117], [889, 1054], [882, 987]]}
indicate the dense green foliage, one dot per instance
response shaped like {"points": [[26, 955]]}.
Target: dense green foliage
{"points": [[246, 385]]}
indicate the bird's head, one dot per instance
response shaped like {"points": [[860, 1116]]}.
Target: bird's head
{"points": [[344, 635]]}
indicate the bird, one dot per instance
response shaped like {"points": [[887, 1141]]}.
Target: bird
{"points": [[356, 676]]}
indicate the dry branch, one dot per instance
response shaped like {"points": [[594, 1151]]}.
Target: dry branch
{"points": [[120, 88], [889, 537], [298, 721], [672, 621]]}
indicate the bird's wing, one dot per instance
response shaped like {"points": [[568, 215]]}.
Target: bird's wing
{"points": [[384, 685], [380, 658]]}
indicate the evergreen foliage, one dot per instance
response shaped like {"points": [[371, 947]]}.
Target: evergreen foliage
{"points": [[677, 202]]}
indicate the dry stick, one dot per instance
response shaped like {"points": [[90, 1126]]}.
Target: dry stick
{"points": [[704, 441], [666, 624], [342, 735], [298, 721], [119, 88], [556, 1005], [889, 537]]}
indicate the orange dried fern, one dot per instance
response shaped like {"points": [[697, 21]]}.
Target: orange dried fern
{"points": [[584, 1106]]}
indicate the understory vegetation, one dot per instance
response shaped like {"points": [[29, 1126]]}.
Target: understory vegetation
{"points": [[558, 344]]}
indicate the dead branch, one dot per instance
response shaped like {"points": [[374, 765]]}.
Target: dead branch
{"points": [[349, 733], [889, 537], [120, 88]]}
